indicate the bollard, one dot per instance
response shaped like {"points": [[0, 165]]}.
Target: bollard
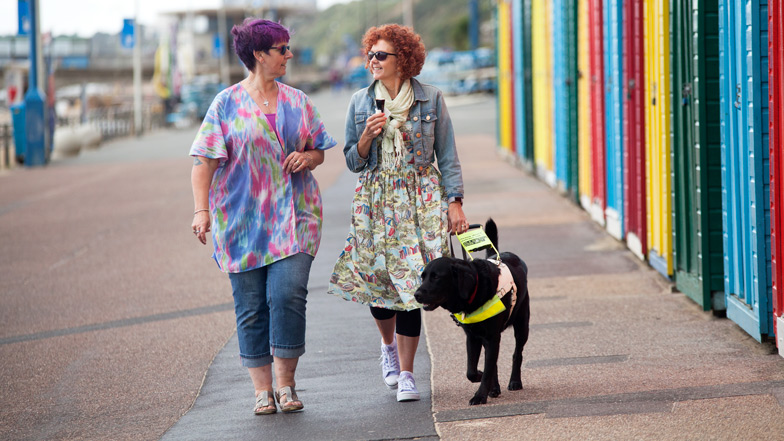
{"points": [[6, 143], [20, 139], [35, 151]]}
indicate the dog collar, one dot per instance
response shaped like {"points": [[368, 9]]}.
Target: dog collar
{"points": [[473, 294], [494, 306]]}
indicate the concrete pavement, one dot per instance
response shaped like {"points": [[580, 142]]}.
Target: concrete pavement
{"points": [[115, 323], [613, 353]]}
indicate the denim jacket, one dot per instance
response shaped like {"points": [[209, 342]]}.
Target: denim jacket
{"points": [[434, 137]]}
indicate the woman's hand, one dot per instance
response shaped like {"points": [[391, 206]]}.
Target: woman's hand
{"points": [[299, 161], [373, 127], [201, 225], [201, 179], [457, 221]]}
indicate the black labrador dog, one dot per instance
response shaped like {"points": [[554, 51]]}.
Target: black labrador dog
{"points": [[461, 286]]}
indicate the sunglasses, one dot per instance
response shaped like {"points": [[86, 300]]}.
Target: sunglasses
{"points": [[282, 49], [380, 55]]}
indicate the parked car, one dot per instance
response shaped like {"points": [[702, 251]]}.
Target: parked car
{"points": [[459, 73]]}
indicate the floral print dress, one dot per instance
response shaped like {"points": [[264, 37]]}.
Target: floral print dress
{"points": [[398, 225]]}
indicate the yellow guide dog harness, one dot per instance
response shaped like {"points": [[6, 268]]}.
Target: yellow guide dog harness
{"points": [[494, 306], [474, 240]]}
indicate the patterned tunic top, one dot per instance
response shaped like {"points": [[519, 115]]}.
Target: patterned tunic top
{"points": [[260, 213]]}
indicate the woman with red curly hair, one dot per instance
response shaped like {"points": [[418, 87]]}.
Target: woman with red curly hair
{"points": [[404, 207]]}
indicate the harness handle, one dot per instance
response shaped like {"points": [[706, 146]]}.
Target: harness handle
{"points": [[451, 247]]}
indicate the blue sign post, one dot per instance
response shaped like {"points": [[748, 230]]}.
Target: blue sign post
{"points": [[23, 6], [128, 38], [217, 46], [35, 153], [473, 24]]}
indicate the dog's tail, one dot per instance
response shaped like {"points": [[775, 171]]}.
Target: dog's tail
{"points": [[492, 233]]}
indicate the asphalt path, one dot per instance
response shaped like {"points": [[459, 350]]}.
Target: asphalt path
{"points": [[110, 314]]}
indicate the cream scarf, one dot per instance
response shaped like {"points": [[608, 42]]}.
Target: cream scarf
{"points": [[392, 139]]}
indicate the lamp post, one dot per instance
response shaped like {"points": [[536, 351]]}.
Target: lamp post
{"points": [[224, 54], [473, 24], [35, 151], [137, 75]]}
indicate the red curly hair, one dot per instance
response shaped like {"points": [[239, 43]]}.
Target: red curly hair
{"points": [[407, 43]]}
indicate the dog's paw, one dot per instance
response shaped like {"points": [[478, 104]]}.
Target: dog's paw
{"points": [[495, 392], [515, 385], [475, 377], [478, 399]]}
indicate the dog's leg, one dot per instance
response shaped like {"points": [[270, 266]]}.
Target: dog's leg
{"points": [[473, 350], [495, 391], [490, 376], [521, 337]]}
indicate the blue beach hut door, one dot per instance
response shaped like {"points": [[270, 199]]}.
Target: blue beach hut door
{"points": [[613, 79], [745, 161]]}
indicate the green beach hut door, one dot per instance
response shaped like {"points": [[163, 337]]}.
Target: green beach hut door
{"points": [[697, 236]]}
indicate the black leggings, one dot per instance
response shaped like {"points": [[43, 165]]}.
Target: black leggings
{"points": [[408, 323]]}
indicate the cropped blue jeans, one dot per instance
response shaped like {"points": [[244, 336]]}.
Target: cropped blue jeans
{"points": [[269, 303]]}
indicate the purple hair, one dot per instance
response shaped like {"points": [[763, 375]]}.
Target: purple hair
{"points": [[255, 34]]}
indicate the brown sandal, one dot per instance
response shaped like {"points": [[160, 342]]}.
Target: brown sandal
{"points": [[264, 405], [288, 405]]}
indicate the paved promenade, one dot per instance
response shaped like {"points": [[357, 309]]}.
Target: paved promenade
{"points": [[116, 324]]}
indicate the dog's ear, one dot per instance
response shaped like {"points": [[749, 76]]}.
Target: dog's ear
{"points": [[465, 277]]}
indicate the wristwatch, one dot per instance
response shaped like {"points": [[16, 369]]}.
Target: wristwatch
{"points": [[457, 199]]}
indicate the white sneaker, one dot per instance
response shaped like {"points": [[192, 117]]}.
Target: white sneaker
{"points": [[390, 364], [406, 387]]}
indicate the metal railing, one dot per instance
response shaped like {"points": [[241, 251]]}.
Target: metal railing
{"points": [[111, 122], [115, 122]]}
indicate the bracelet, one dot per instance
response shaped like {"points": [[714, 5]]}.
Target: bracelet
{"points": [[202, 209]]}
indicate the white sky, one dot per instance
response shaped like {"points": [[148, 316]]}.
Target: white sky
{"points": [[86, 17]]}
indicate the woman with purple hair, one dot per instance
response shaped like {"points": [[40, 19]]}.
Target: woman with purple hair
{"points": [[254, 192]]}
